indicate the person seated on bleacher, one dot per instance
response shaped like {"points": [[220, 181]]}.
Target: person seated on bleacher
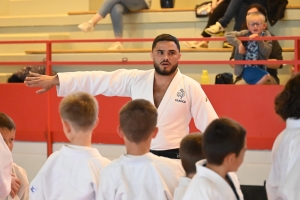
{"points": [[224, 147], [190, 153], [284, 178], [116, 8], [276, 53], [139, 174], [217, 11], [254, 74]]}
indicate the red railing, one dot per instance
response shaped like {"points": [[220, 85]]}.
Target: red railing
{"points": [[49, 62]]}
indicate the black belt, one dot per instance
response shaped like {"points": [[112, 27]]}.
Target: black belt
{"points": [[171, 153]]}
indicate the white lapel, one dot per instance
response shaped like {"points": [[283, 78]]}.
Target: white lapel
{"points": [[172, 87]]}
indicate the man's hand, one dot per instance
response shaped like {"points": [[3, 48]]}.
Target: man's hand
{"points": [[15, 186], [242, 49], [253, 36], [44, 81]]}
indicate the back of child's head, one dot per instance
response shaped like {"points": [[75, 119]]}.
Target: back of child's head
{"points": [[138, 119], [191, 152], [222, 137], [80, 109], [6, 122], [256, 15], [287, 102]]}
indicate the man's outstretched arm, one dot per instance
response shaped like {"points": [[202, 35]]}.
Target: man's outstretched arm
{"points": [[44, 81]]}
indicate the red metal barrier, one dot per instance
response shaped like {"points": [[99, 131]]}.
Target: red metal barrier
{"points": [[37, 116]]}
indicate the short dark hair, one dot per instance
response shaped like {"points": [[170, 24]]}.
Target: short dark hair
{"points": [[191, 152], [165, 37], [6, 122], [287, 103], [138, 119], [261, 9], [80, 109], [222, 137]]}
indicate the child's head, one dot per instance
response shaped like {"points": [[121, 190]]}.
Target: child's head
{"points": [[8, 130], [287, 103], [256, 22], [224, 140], [80, 111], [191, 152], [138, 120]]}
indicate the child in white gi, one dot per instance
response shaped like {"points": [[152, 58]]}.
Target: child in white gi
{"points": [[284, 178], [139, 174], [72, 172], [252, 50], [5, 168], [224, 146], [190, 153], [19, 180]]}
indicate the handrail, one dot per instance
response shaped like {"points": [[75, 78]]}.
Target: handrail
{"points": [[49, 63]]}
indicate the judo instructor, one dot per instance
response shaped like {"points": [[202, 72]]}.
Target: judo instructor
{"points": [[177, 97]]}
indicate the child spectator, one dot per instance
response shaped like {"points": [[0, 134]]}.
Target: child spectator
{"points": [[19, 180], [139, 174], [252, 50], [5, 169], [284, 179], [72, 172], [190, 153], [224, 146]]}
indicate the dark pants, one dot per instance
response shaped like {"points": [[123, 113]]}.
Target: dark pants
{"points": [[216, 15], [171, 153], [238, 9]]}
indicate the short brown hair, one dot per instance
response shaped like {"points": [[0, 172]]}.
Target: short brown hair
{"points": [[191, 152], [6, 122], [80, 109], [287, 103], [138, 119], [222, 137]]}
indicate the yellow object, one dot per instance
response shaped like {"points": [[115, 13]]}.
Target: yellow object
{"points": [[204, 77]]}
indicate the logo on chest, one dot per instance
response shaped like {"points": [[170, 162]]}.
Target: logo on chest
{"points": [[180, 95]]}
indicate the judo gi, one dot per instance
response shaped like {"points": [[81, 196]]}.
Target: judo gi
{"points": [[145, 177], [180, 190], [183, 99], [284, 178], [23, 193], [208, 185], [71, 173], [5, 169]]}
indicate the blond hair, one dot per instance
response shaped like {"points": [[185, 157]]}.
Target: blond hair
{"points": [[256, 14], [80, 109]]}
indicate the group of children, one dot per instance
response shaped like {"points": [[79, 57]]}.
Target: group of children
{"points": [[209, 160]]}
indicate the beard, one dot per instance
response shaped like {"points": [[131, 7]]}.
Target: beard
{"points": [[163, 71]]}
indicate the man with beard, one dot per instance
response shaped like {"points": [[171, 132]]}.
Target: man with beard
{"points": [[177, 97]]}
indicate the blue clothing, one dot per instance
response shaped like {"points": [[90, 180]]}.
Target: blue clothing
{"points": [[253, 74]]}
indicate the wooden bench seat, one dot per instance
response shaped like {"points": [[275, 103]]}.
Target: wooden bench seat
{"points": [[160, 10], [134, 50]]}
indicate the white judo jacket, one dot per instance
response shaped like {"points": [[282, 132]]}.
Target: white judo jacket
{"points": [[284, 178], [208, 185], [181, 189], [5, 168], [183, 99], [146, 177], [72, 173]]}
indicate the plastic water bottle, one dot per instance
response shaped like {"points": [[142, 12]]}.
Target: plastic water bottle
{"points": [[204, 77]]}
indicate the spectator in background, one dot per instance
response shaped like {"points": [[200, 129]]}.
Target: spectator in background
{"points": [[116, 8], [276, 53], [284, 179], [217, 11]]}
